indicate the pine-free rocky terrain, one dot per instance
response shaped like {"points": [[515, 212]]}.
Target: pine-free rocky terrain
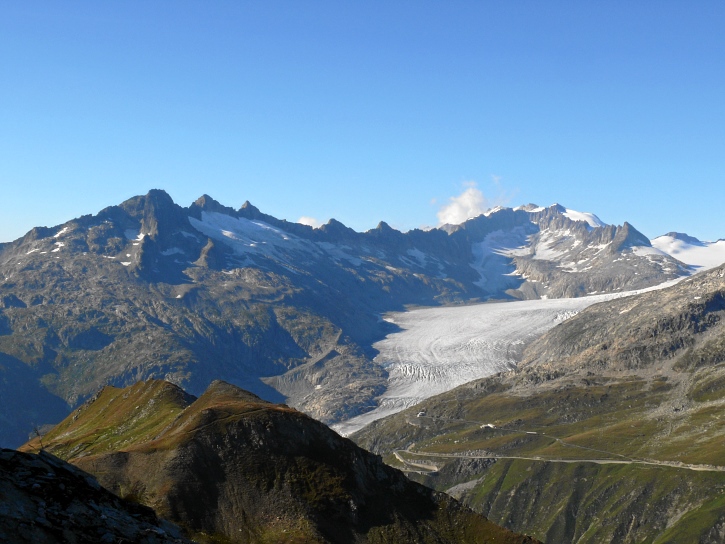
{"points": [[45, 500]]}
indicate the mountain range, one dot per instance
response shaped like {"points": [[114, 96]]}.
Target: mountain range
{"points": [[601, 422], [150, 289]]}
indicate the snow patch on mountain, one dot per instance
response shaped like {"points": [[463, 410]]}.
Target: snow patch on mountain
{"points": [[550, 246], [246, 236], [531, 208], [132, 234], [418, 255], [189, 235], [491, 258], [643, 251], [691, 251], [339, 253], [590, 218], [493, 210]]}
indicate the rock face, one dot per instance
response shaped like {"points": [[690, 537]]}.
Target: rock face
{"points": [[612, 423], [151, 289], [230, 465], [45, 500], [668, 331]]}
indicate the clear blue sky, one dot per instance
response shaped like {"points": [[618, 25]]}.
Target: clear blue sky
{"points": [[365, 111]]}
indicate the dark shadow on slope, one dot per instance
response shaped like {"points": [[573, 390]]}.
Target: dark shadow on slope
{"points": [[24, 402]]}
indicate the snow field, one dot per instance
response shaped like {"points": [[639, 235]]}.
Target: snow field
{"points": [[704, 256]]}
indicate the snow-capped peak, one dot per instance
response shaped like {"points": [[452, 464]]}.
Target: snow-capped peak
{"points": [[493, 210], [690, 250], [531, 208], [590, 218]]}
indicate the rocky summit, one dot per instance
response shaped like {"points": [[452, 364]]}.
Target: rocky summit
{"points": [[230, 467], [44, 500], [151, 289]]}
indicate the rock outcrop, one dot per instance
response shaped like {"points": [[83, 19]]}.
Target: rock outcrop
{"points": [[44, 500]]}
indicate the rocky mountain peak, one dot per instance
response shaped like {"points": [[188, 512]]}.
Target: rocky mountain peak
{"points": [[208, 204], [249, 210], [219, 390], [156, 211], [337, 230], [626, 237], [529, 207], [384, 227], [37, 233]]}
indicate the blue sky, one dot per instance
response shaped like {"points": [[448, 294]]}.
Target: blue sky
{"points": [[365, 111]]}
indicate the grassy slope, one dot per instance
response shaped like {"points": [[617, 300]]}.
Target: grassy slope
{"points": [[231, 467], [604, 419], [115, 419]]}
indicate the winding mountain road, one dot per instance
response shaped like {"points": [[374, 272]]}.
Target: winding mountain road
{"points": [[418, 466]]}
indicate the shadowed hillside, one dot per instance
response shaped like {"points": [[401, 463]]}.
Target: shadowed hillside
{"points": [[46, 500]]}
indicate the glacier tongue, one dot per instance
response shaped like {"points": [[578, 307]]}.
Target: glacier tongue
{"points": [[438, 349]]}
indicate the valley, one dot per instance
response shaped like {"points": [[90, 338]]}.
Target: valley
{"points": [[616, 414]]}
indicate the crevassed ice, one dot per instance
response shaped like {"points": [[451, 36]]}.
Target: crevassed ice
{"points": [[438, 349]]}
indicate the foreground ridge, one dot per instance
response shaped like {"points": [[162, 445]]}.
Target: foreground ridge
{"points": [[232, 465], [47, 500]]}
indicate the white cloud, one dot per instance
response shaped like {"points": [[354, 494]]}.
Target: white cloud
{"points": [[310, 221], [470, 203]]}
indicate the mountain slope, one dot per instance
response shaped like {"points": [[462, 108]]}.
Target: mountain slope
{"points": [[152, 289], [615, 414], [47, 500], [232, 465]]}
